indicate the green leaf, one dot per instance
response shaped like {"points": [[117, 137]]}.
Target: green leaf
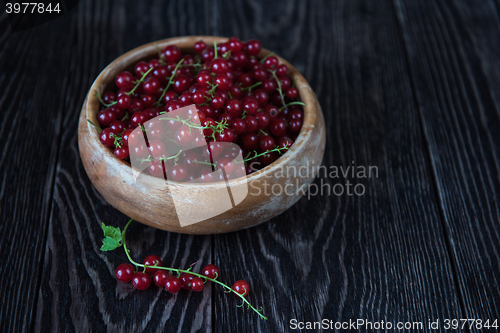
{"points": [[112, 238], [109, 244]]}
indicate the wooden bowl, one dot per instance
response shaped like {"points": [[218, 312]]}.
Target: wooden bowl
{"points": [[151, 201]]}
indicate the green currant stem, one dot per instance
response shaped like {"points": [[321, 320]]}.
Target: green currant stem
{"points": [[127, 252], [203, 162], [279, 86], [138, 83], [215, 50], [98, 94], [279, 150], [171, 157], [267, 56], [118, 140], [126, 116], [162, 57], [262, 132], [230, 95], [170, 82], [97, 127], [291, 103], [252, 86]]}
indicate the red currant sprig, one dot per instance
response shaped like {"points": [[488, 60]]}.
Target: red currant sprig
{"points": [[141, 280]]}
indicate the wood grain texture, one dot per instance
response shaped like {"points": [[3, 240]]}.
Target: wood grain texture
{"points": [[453, 53], [31, 107], [78, 289], [380, 256], [407, 86]]}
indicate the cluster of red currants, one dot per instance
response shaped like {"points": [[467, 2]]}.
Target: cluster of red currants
{"points": [[171, 283], [239, 98]]}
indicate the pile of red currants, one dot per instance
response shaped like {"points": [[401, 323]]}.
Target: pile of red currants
{"points": [[238, 98], [172, 283]]}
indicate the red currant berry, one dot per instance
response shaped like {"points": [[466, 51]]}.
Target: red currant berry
{"points": [[178, 173], [210, 271], [199, 46], [156, 168], [197, 284], [292, 92], [140, 68], [124, 80], [227, 135], [267, 143], [285, 141], [252, 124], [151, 86], [269, 85], [238, 125], [260, 74], [138, 118], [252, 47], [234, 107], [235, 45], [250, 141], [156, 149], [240, 59], [106, 117], [295, 125], [173, 284], [160, 277], [272, 111], [219, 66], [171, 53], [121, 153], [278, 127], [123, 101], [241, 287], [271, 62], [282, 70], [245, 80], [151, 260], [217, 101], [136, 105], [250, 105], [141, 281], [125, 137], [227, 164], [186, 280], [181, 83], [124, 272], [109, 97], [262, 97], [107, 137], [262, 119]]}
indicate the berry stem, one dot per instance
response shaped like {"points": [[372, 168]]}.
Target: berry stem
{"points": [[215, 50], [170, 82], [138, 83], [291, 103], [278, 150], [252, 86], [279, 86], [98, 94], [127, 252], [267, 56], [97, 127]]}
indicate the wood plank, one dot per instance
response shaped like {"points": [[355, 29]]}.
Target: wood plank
{"points": [[453, 54], [79, 291], [380, 256], [32, 103]]}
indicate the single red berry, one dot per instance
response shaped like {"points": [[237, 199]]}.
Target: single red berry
{"points": [[278, 127], [140, 68], [151, 260], [219, 66], [267, 143], [173, 284], [106, 117], [151, 86], [160, 277], [227, 135], [123, 101], [285, 141], [238, 125], [271, 62], [124, 80], [262, 97], [138, 118], [199, 46], [292, 92], [295, 125], [171, 53], [156, 149], [250, 105], [178, 173], [245, 80], [141, 281], [109, 97], [186, 280], [121, 153], [234, 107], [156, 169], [197, 284], [124, 272], [270, 85], [210, 271], [252, 124], [282, 70], [250, 141], [107, 137], [240, 59], [262, 119], [241, 287], [252, 47]]}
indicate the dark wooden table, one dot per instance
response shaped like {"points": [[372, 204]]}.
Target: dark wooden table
{"points": [[411, 87]]}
